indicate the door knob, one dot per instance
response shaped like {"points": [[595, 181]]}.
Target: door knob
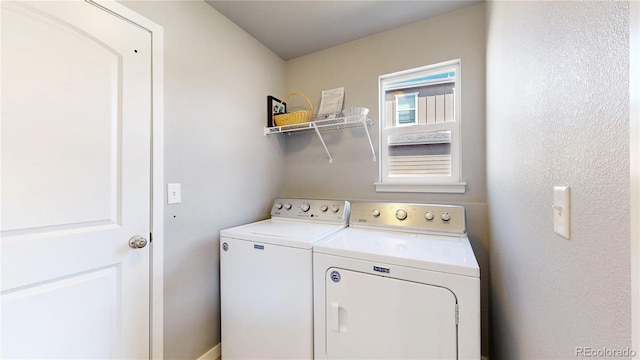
{"points": [[137, 242]]}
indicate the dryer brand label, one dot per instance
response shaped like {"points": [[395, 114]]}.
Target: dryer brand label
{"points": [[259, 247], [381, 269], [335, 276]]}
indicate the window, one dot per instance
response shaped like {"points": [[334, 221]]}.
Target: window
{"points": [[420, 130], [406, 109]]}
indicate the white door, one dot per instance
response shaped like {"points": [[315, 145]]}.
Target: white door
{"points": [[375, 317], [75, 182]]}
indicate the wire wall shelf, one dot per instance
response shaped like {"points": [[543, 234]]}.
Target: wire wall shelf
{"points": [[326, 124]]}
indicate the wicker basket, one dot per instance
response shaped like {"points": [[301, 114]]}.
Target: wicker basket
{"points": [[295, 117]]}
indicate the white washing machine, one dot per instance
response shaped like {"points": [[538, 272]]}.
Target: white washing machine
{"points": [[401, 282], [266, 276]]}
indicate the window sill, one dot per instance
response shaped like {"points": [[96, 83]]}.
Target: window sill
{"points": [[451, 188]]}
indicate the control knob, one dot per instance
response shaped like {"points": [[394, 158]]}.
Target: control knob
{"points": [[279, 206], [445, 216], [335, 208], [375, 213], [429, 215], [324, 208], [287, 206], [305, 207], [401, 214]]}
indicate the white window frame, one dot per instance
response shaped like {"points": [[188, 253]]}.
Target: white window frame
{"points": [[430, 183]]}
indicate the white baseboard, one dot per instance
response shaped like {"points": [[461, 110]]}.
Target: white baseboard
{"points": [[212, 354]]}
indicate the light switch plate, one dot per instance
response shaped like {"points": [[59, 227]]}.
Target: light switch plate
{"points": [[561, 211], [173, 194]]}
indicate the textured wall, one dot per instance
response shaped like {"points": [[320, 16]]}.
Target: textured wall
{"points": [[356, 67], [558, 114], [634, 78], [216, 81]]}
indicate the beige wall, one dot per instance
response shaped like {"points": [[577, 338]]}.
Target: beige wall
{"points": [[558, 114], [216, 81], [356, 67]]}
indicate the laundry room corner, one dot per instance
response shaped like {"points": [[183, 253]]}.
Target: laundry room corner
{"points": [[356, 66], [429, 179]]}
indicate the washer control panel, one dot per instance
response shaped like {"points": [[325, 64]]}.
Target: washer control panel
{"points": [[312, 209], [410, 216]]}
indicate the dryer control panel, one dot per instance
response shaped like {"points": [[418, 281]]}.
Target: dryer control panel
{"points": [[409, 216], [312, 209]]}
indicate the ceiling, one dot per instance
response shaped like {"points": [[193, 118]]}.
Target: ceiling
{"points": [[295, 28]]}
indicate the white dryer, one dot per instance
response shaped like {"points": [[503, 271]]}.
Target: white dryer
{"points": [[401, 282], [266, 279]]}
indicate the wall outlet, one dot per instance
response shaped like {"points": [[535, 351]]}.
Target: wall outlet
{"points": [[561, 211]]}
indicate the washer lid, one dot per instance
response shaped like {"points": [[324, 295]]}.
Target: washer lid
{"points": [[293, 233], [443, 253]]}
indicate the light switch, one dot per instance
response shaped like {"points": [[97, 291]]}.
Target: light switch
{"points": [[173, 194], [561, 211]]}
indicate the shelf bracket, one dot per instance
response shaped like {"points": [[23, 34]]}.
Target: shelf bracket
{"points": [[373, 152], [315, 127]]}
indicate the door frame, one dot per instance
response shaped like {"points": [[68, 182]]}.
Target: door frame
{"points": [[156, 305]]}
